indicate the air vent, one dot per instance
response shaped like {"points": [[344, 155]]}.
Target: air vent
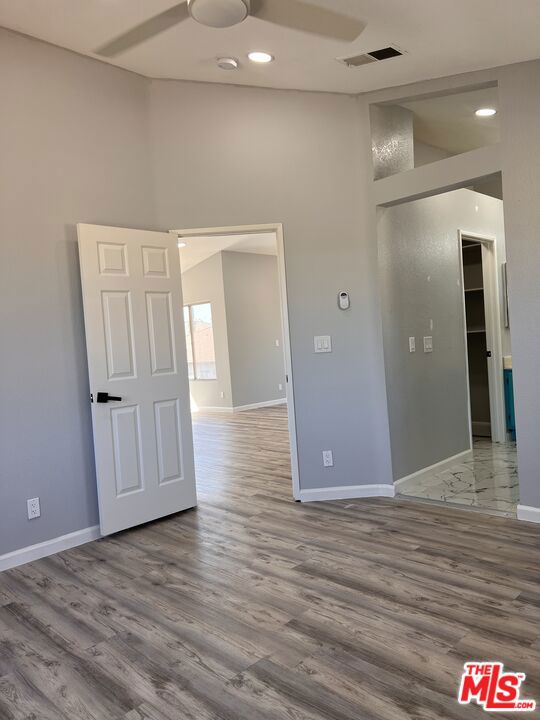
{"points": [[385, 53], [371, 57]]}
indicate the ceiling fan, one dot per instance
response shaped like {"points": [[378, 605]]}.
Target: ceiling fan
{"points": [[293, 14]]}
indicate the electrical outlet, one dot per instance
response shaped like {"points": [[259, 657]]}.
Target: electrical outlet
{"points": [[222, 394], [33, 508], [280, 386], [327, 458]]}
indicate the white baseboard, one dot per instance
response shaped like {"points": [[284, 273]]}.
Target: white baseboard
{"points": [[345, 492], [49, 547], [254, 406], [530, 514], [437, 467], [239, 408], [213, 409]]}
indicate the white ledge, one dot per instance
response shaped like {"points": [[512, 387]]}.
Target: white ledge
{"points": [[438, 177]]}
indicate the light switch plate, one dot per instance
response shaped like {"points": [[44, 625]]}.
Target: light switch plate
{"points": [[412, 344], [428, 344], [322, 343]]}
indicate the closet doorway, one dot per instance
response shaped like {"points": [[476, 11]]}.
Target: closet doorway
{"points": [[481, 303]]}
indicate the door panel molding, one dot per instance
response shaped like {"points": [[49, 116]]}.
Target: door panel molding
{"points": [[132, 298]]}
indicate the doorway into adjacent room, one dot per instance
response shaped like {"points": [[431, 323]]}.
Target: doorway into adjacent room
{"points": [[447, 343], [237, 342]]}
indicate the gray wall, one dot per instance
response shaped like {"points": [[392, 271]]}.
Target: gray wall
{"points": [[73, 148], [204, 283], [419, 258], [234, 155], [253, 308], [519, 108], [519, 97]]}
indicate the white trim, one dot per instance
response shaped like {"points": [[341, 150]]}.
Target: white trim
{"points": [[437, 467], [254, 406], [457, 171], [465, 338], [277, 228], [493, 330], [49, 547], [528, 513], [210, 408], [345, 492], [240, 408]]}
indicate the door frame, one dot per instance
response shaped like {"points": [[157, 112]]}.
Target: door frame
{"points": [[493, 331], [276, 228]]}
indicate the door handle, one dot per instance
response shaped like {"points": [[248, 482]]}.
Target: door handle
{"points": [[104, 397]]}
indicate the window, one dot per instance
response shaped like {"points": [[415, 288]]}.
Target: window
{"points": [[201, 354]]}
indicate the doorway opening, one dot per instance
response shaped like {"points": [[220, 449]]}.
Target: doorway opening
{"points": [[448, 349], [483, 331], [240, 374]]}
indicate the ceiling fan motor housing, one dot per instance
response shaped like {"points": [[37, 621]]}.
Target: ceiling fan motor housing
{"points": [[219, 13]]}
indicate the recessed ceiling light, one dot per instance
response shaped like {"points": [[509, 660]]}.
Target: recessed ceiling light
{"points": [[228, 63], [260, 57], [182, 244], [485, 112]]}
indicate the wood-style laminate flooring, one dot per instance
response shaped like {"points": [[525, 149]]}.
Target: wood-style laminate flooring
{"points": [[255, 607]]}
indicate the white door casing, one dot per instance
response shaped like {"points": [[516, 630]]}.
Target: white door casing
{"points": [[132, 295], [276, 228], [493, 341], [493, 319]]}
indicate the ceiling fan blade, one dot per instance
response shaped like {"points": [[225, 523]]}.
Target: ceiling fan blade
{"points": [[146, 30], [308, 18]]}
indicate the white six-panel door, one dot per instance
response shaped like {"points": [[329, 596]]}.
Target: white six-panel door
{"points": [[135, 341]]}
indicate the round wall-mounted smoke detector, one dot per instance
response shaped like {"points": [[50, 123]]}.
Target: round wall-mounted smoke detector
{"points": [[228, 63], [219, 13]]}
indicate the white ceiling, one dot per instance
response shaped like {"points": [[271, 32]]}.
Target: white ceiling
{"points": [[201, 248], [450, 122], [441, 37]]}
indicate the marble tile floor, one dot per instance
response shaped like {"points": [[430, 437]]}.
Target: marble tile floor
{"points": [[488, 481]]}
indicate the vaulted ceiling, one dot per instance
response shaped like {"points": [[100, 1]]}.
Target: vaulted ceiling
{"points": [[440, 37], [198, 249]]}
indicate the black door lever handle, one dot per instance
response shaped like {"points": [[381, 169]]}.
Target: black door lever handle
{"points": [[104, 397]]}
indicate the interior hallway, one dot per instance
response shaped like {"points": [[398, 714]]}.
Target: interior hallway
{"points": [[488, 481], [253, 607]]}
